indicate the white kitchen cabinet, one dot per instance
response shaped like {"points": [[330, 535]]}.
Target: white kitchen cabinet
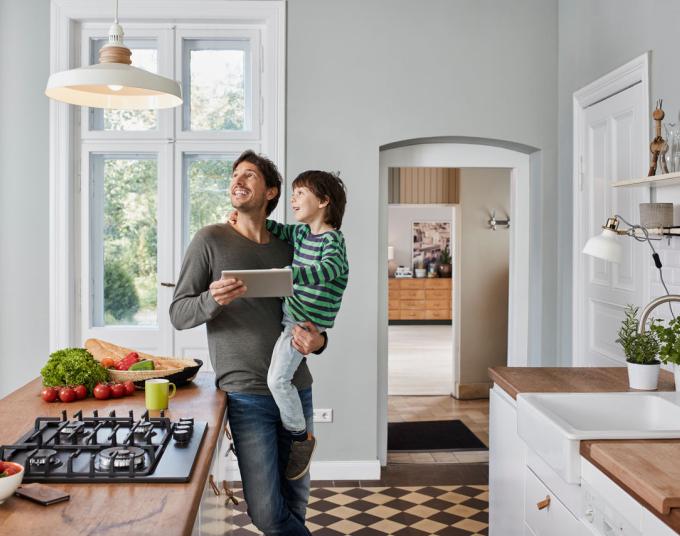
{"points": [[507, 463], [214, 515]]}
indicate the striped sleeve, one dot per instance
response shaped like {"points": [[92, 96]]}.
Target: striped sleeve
{"points": [[282, 230], [333, 264]]}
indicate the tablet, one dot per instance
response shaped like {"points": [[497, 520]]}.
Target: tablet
{"points": [[273, 283]]}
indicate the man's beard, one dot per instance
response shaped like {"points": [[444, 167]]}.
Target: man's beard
{"points": [[251, 206]]}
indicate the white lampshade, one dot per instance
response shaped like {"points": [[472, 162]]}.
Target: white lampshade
{"points": [[115, 86], [604, 246], [390, 253]]}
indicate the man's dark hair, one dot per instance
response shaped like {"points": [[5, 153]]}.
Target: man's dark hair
{"points": [[272, 177], [329, 186]]}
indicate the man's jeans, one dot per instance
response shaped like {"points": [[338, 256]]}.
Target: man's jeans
{"points": [[276, 505], [285, 361]]}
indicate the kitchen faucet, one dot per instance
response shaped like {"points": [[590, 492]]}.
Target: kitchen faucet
{"points": [[653, 305]]}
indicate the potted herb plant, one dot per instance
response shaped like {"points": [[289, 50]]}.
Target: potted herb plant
{"points": [[669, 350], [640, 350], [445, 262]]}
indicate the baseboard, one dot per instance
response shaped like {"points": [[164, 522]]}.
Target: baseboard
{"points": [[472, 391], [323, 470]]}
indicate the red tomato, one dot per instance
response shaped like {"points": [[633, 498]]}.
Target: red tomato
{"points": [[129, 387], [117, 390], [102, 391], [66, 394], [81, 391], [50, 394]]}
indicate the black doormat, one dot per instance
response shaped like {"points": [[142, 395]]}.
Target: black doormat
{"points": [[431, 435]]}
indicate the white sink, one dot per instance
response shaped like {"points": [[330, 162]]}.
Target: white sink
{"points": [[554, 424]]}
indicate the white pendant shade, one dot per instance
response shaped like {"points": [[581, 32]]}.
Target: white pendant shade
{"points": [[115, 86], [604, 246]]}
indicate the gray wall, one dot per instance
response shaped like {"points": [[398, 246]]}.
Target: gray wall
{"points": [[24, 246], [484, 268], [363, 74], [595, 38], [359, 75]]}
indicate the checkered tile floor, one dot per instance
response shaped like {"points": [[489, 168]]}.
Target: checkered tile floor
{"points": [[380, 511]]}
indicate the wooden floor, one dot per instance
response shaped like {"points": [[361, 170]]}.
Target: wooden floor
{"points": [[420, 360], [473, 413]]}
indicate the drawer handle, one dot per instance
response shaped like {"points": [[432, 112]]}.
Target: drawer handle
{"points": [[544, 503]]}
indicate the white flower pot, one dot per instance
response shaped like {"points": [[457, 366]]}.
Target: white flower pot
{"points": [[643, 377], [676, 373]]}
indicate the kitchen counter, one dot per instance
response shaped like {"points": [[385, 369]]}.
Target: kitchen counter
{"points": [[104, 508], [640, 467]]}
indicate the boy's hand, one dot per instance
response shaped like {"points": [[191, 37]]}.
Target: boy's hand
{"points": [[225, 291], [233, 217], [307, 338]]}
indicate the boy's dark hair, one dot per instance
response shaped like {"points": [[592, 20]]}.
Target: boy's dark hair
{"points": [[272, 177], [329, 186]]}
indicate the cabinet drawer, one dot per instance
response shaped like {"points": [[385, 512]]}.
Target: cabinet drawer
{"points": [[411, 284], [438, 283], [417, 305], [438, 304], [393, 284], [394, 294], [394, 305], [553, 520], [438, 314], [436, 294], [411, 315], [409, 294], [394, 314]]}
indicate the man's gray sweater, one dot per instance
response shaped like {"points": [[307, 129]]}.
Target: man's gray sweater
{"points": [[241, 335]]}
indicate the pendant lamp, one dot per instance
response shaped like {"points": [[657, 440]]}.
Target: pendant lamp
{"points": [[113, 83]]}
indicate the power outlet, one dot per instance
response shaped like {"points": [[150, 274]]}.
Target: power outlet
{"points": [[323, 415]]}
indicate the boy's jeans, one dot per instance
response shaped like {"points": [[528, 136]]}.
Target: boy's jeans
{"points": [[285, 361], [276, 505]]}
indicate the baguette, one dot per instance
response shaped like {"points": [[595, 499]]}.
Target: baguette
{"points": [[101, 349]]}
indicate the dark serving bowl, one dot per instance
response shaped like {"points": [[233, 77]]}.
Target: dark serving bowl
{"points": [[180, 378]]}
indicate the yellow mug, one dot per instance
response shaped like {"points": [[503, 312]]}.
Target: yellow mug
{"points": [[157, 393]]}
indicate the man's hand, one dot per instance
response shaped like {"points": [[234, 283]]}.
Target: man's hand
{"points": [[233, 217], [225, 291], [306, 338]]}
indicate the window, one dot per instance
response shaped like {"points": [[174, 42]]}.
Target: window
{"points": [[130, 189]]}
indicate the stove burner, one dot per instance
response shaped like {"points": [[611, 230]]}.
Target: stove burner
{"points": [[124, 456], [74, 427], [44, 458]]}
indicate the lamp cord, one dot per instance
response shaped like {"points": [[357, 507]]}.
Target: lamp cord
{"points": [[655, 255]]}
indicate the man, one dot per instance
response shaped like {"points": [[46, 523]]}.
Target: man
{"points": [[241, 335]]}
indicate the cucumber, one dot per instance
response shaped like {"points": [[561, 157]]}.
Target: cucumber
{"points": [[145, 364]]}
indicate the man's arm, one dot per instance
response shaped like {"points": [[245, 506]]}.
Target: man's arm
{"points": [[197, 299], [308, 340]]}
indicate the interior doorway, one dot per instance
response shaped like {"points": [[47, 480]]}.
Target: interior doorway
{"points": [[523, 165], [448, 247]]}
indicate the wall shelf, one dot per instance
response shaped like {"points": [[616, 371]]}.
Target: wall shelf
{"points": [[667, 179]]}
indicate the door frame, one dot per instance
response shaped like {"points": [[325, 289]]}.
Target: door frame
{"points": [[524, 310], [632, 73]]}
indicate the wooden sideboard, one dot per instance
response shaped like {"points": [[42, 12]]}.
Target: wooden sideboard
{"points": [[420, 299]]}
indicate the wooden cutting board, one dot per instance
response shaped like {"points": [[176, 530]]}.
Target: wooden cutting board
{"points": [[649, 468]]}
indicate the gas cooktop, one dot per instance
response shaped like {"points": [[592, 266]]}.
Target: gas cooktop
{"points": [[108, 448]]}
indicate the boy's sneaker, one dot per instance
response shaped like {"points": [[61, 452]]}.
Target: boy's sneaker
{"points": [[300, 458]]}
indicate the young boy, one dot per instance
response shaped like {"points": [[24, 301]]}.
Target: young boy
{"points": [[320, 271]]}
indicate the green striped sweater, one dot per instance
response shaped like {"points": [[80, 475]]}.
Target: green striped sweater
{"points": [[320, 271]]}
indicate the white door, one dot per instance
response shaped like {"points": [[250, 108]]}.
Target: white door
{"points": [[610, 151]]}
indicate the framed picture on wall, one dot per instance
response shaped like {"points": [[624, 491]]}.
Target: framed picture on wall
{"points": [[429, 239]]}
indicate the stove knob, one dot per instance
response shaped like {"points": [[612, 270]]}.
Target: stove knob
{"points": [[181, 436]]}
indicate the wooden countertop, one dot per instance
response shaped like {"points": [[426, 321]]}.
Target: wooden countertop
{"points": [[114, 508], [516, 380], [640, 467]]}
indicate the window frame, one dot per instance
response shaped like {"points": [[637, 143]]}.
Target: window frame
{"points": [[191, 32], [71, 139]]}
